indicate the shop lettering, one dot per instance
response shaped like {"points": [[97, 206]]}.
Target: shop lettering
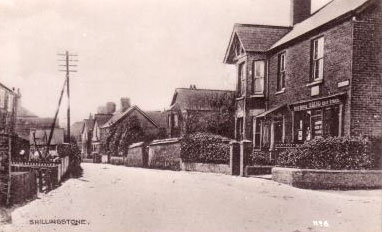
{"points": [[317, 104]]}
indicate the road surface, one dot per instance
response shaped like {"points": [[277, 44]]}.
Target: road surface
{"points": [[116, 198]]}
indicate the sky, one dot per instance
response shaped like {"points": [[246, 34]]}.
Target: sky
{"points": [[140, 49]]}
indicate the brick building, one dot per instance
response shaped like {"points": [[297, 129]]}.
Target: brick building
{"points": [[319, 77]]}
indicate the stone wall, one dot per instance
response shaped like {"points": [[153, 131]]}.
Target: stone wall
{"points": [[137, 155], [328, 179], [165, 154], [23, 186], [204, 167]]}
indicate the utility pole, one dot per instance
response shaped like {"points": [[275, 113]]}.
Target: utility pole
{"points": [[67, 58]]}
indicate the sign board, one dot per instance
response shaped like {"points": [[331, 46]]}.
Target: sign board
{"points": [[317, 104]]}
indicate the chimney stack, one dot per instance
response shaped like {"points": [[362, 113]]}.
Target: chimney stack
{"points": [[125, 104], [101, 110], [300, 10], [110, 107]]}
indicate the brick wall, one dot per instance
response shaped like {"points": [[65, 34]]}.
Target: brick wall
{"points": [[137, 155], [366, 99], [337, 68]]}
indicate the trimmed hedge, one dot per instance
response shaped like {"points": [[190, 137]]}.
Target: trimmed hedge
{"points": [[204, 148], [260, 158], [336, 153]]}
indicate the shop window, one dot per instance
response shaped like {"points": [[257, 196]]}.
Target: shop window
{"points": [[316, 123], [281, 73], [331, 118], [317, 59], [258, 76]]}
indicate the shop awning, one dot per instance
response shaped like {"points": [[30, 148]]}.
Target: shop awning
{"points": [[271, 111]]}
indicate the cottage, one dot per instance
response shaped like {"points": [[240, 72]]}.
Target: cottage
{"points": [[190, 105], [38, 140], [319, 77]]}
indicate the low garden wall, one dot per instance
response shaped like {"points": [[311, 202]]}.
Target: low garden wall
{"points": [[258, 170], [23, 186], [328, 179], [206, 167], [137, 155], [165, 154], [117, 160]]}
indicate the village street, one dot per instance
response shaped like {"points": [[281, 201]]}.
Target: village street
{"points": [[117, 198]]}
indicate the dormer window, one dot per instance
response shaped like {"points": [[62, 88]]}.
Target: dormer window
{"points": [[318, 59]]}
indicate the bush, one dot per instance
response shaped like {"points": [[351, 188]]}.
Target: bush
{"points": [[205, 148], [260, 158], [74, 154], [330, 153]]}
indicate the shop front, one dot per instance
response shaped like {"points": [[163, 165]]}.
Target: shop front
{"points": [[317, 118], [299, 122]]}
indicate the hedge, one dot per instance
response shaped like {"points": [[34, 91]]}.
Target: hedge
{"points": [[260, 158], [74, 153], [204, 148], [336, 153]]}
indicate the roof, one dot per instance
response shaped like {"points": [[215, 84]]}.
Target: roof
{"points": [[36, 122], [332, 11], [101, 119], [88, 124], [160, 118], [265, 113], [42, 136], [76, 128], [200, 99], [24, 112], [254, 38], [118, 116]]}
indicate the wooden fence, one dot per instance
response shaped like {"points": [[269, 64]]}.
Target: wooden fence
{"points": [[49, 174]]}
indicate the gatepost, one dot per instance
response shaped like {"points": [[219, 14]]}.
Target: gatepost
{"points": [[245, 150], [234, 158]]}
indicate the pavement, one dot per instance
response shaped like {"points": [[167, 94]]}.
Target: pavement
{"points": [[117, 198]]}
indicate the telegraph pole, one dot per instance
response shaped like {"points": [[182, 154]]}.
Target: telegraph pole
{"points": [[67, 58]]}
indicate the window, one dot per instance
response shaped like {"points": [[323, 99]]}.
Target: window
{"points": [[256, 132], [176, 121], [318, 59], [281, 73], [2, 98], [242, 78], [258, 76], [239, 129], [10, 103]]}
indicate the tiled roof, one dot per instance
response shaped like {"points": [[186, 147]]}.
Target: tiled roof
{"points": [[259, 37], [160, 118], [76, 128], [101, 119], [333, 10], [118, 116], [200, 99], [253, 38]]}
